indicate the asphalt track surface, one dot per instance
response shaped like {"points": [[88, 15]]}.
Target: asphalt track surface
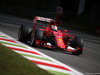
{"points": [[87, 63]]}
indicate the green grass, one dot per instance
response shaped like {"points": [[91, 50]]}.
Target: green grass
{"points": [[12, 63], [80, 29], [80, 24]]}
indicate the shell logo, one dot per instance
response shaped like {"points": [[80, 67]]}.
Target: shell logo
{"points": [[59, 39]]}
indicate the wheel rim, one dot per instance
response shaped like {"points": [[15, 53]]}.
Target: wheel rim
{"points": [[32, 40]]}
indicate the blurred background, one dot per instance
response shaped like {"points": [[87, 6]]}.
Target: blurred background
{"points": [[81, 15]]}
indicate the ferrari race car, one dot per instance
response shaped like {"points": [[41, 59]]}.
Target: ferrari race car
{"points": [[42, 34]]}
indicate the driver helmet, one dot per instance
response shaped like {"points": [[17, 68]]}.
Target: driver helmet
{"points": [[53, 27]]}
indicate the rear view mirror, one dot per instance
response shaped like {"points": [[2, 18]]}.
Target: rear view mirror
{"points": [[64, 30]]}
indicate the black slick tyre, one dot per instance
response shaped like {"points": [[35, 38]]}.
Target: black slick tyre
{"points": [[79, 44], [37, 35], [24, 33]]}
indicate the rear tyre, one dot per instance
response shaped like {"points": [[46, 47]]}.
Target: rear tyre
{"points": [[79, 44], [24, 33], [37, 35]]}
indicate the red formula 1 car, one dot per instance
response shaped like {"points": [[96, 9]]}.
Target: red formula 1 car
{"points": [[44, 33]]}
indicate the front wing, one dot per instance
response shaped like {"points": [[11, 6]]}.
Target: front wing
{"points": [[69, 48]]}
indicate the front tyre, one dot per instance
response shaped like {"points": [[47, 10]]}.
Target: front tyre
{"points": [[78, 44], [37, 35]]}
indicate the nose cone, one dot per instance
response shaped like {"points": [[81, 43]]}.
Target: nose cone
{"points": [[60, 43]]}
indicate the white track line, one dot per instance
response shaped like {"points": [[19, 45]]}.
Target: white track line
{"points": [[55, 61]]}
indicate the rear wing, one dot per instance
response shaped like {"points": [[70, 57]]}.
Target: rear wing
{"points": [[37, 18], [43, 19]]}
